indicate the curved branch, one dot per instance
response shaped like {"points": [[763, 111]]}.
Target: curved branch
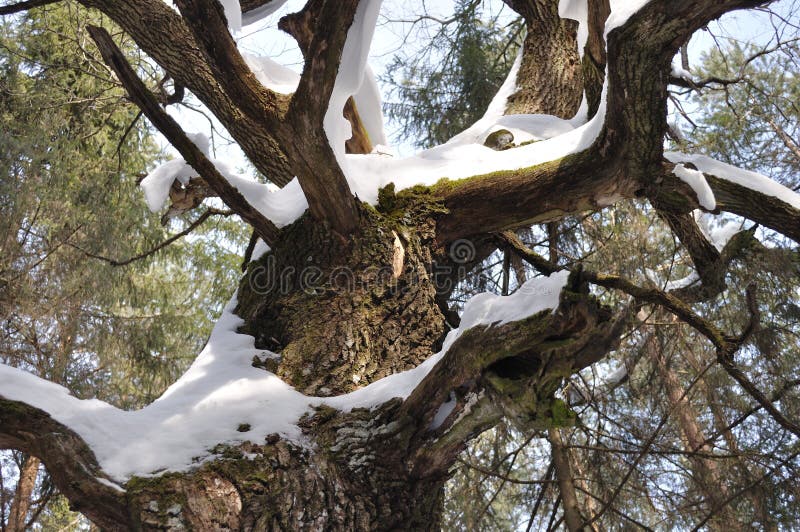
{"points": [[625, 155], [177, 236], [509, 369], [68, 459]]}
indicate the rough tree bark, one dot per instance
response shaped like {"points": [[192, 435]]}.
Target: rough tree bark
{"points": [[385, 468], [17, 514]]}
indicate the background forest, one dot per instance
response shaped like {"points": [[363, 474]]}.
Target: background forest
{"points": [[99, 295]]}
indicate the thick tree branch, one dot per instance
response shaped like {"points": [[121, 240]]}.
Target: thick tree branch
{"points": [[331, 22], [24, 6], [550, 77], [704, 255], [308, 147], [207, 21], [763, 209], [546, 192], [301, 26], [68, 459], [628, 150], [513, 369], [148, 103], [164, 36], [313, 161]]}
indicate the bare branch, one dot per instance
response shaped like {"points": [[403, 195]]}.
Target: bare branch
{"points": [[68, 459], [194, 225], [148, 103], [24, 6]]}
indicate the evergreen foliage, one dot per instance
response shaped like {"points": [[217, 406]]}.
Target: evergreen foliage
{"points": [[72, 151]]}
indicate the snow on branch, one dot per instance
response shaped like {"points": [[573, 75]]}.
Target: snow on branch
{"points": [[149, 105], [748, 194], [70, 462], [222, 391]]}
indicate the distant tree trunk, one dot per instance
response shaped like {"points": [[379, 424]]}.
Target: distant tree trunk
{"points": [[705, 471], [18, 512], [756, 493], [573, 516]]}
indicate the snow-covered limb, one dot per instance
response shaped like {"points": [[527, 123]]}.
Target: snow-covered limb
{"points": [[697, 181], [222, 391], [748, 194], [70, 462], [509, 369], [139, 93], [281, 206]]}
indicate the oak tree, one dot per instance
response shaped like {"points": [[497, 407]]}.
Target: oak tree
{"points": [[339, 386]]}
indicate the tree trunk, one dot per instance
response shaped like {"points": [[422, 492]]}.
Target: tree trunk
{"points": [[705, 471], [350, 294], [342, 314], [566, 483], [22, 495]]}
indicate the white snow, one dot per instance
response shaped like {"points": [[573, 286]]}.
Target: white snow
{"points": [[745, 178], [157, 183], [368, 103], [443, 412], [282, 206], [696, 180], [463, 156], [577, 10], [683, 282], [621, 11], [680, 72], [221, 390], [272, 74], [716, 229], [350, 77], [233, 12]]}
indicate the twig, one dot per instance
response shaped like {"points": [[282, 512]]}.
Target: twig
{"points": [[194, 225]]}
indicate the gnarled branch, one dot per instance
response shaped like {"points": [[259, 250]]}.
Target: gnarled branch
{"points": [[68, 459]]}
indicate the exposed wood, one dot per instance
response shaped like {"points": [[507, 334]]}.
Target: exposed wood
{"points": [[594, 58]]}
